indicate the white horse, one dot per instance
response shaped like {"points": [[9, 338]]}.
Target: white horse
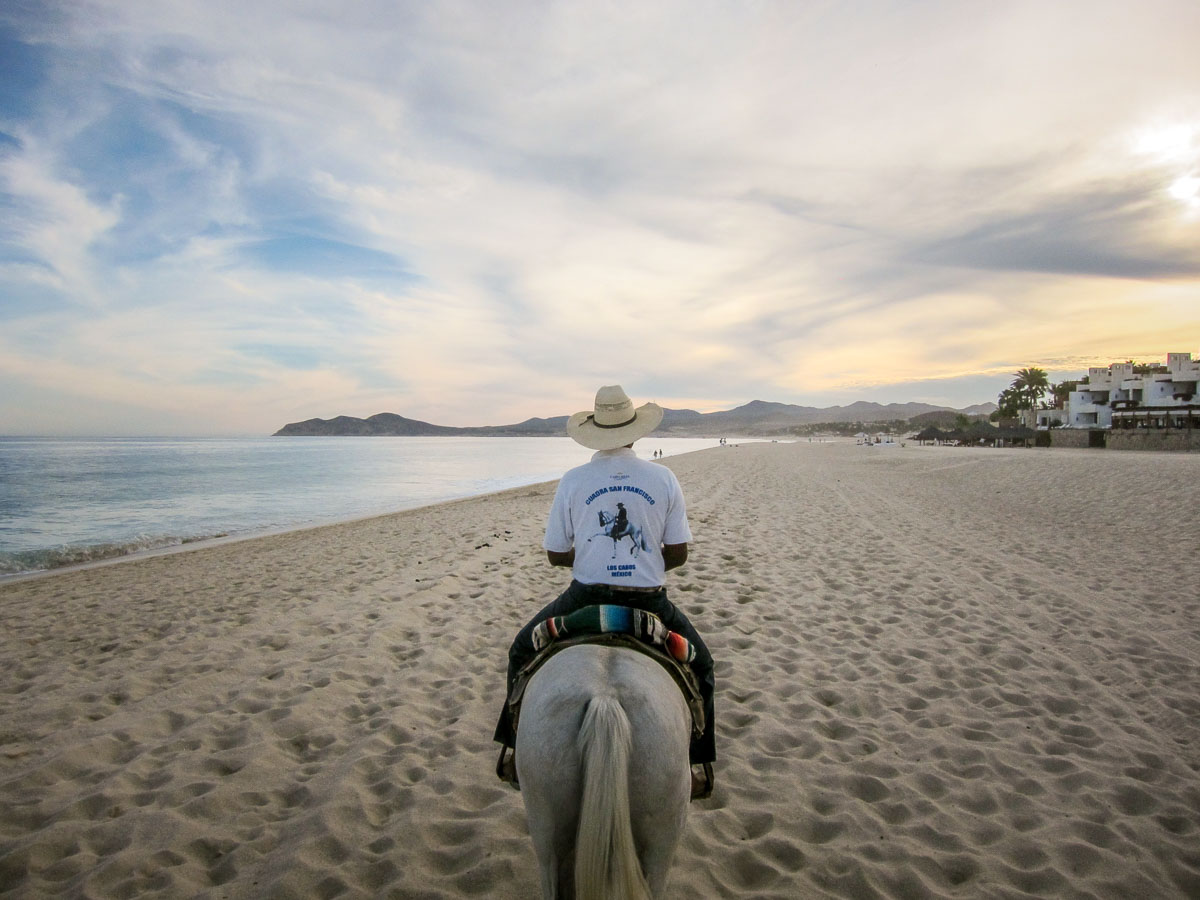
{"points": [[602, 757], [609, 530]]}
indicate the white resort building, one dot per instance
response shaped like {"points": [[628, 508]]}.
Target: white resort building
{"points": [[1115, 397]]}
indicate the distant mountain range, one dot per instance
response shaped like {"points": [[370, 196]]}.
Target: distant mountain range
{"points": [[759, 418]]}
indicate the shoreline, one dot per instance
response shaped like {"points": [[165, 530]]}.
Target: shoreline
{"points": [[941, 672], [189, 543], [208, 543]]}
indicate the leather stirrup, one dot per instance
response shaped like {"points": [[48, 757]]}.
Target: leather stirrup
{"points": [[506, 766], [703, 790]]}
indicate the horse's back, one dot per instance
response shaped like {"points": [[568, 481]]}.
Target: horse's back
{"points": [[550, 755]]}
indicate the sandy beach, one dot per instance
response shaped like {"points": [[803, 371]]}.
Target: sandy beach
{"points": [[942, 673]]}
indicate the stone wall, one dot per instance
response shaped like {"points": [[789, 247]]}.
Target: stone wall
{"points": [[1129, 439], [1069, 437], [1153, 439]]}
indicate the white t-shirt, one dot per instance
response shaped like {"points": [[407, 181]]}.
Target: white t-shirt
{"points": [[617, 511]]}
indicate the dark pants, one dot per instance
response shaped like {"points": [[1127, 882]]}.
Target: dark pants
{"points": [[577, 596]]}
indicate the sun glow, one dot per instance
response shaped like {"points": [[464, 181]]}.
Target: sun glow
{"points": [[1187, 191], [1175, 148], [1176, 143]]}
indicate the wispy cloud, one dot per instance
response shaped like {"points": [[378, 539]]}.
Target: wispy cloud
{"points": [[224, 216]]}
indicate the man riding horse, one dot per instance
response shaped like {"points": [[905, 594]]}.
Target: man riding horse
{"points": [[621, 523], [650, 496]]}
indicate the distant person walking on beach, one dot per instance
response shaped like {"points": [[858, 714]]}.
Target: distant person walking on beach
{"points": [[651, 500]]}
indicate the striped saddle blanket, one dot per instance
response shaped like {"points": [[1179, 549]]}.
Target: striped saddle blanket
{"points": [[612, 619]]}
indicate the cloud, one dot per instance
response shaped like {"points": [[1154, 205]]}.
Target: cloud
{"points": [[1124, 227], [52, 222], [473, 212]]}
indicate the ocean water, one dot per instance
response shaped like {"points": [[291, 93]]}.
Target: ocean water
{"points": [[68, 501]]}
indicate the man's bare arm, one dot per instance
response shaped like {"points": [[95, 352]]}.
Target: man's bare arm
{"points": [[674, 555], [561, 559]]}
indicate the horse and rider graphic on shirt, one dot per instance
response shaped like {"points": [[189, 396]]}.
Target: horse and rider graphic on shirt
{"points": [[617, 526]]}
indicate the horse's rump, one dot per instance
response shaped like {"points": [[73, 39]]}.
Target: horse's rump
{"points": [[602, 753]]}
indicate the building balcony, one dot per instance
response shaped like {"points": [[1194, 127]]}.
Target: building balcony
{"points": [[1161, 418]]}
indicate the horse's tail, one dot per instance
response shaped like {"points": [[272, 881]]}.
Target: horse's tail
{"points": [[606, 862]]}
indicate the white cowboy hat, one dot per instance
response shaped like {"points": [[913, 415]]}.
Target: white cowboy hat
{"points": [[614, 422]]}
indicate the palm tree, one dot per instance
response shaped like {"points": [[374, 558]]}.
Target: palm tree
{"points": [[1032, 383], [1061, 392], [1010, 402]]}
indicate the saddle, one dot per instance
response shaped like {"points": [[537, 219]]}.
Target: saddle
{"points": [[615, 626]]}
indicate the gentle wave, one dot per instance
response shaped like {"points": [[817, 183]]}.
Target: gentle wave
{"points": [[25, 562]]}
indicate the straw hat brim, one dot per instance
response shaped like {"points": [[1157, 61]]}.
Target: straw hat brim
{"points": [[583, 429]]}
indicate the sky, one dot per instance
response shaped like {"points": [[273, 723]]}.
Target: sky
{"points": [[219, 217]]}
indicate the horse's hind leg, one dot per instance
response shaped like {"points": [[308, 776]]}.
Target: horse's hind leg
{"points": [[552, 819], [549, 769], [656, 866], [558, 879]]}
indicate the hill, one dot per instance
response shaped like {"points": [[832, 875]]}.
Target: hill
{"points": [[758, 418]]}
